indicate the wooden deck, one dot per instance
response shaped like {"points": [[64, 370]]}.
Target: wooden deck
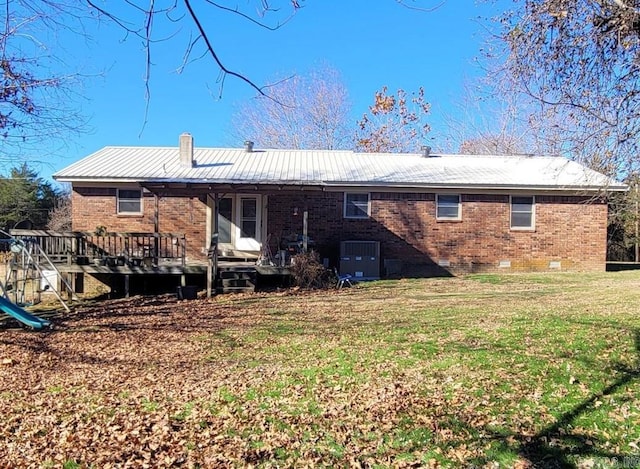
{"points": [[108, 248], [126, 255]]}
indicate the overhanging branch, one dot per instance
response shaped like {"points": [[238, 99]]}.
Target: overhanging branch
{"points": [[214, 55]]}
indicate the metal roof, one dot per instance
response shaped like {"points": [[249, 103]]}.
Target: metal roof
{"points": [[334, 168]]}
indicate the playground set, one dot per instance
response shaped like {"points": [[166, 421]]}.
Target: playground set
{"points": [[29, 273]]}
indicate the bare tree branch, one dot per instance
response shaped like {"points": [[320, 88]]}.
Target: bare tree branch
{"points": [[428, 10], [236, 11], [197, 16], [35, 103], [214, 55], [580, 61], [147, 74]]}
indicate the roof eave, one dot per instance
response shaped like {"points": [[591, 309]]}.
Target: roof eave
{"points": [[502, 187], [73, 179], [347, 184]]}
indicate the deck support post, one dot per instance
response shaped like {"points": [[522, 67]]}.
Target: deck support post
{"points": [[212, 262], [78, 284], [70, 281], [305, 230], [209, 277], [126, 285], [156, 228]]}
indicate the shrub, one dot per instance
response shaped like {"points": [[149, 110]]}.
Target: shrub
{"points": [[308, 271]]}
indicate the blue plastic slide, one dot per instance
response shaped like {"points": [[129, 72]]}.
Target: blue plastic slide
{"points": [[21, 315]]}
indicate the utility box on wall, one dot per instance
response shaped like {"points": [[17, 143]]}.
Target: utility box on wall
{"points": [[360, 259]]}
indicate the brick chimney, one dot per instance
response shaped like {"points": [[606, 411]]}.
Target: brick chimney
{"points": [[186, 150]]}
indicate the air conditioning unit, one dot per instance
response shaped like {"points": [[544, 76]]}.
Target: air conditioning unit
{"points": [[360, 259]]}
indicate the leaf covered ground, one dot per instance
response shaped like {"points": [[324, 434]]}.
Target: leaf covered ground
{"points": [[482, 371]]}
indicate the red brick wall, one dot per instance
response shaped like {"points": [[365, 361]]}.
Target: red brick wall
{"points": [[93, 207], [567, 229], [571, 230], [186, 215]]}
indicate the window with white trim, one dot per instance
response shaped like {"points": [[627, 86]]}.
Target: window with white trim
{"points": [[448, 207], [522, 213], [356, 205], [129, 201]]}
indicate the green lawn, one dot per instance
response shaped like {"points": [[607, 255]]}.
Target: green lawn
{"points": [[488, 371]]}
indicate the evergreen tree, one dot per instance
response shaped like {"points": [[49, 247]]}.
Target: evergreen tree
{"points": [[24, 196]]}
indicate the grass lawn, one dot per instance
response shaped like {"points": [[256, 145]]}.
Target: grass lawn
{"points": [[484, 371]]}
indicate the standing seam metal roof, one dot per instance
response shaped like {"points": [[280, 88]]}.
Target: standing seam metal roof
{"points": [[333, 167]]}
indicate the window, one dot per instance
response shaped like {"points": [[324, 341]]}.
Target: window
{"points": [[129, 201], [522, 213], [356, 205], [248, 217], [448, 207]]}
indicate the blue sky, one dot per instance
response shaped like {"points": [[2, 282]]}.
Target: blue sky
{"points": [[371, 43]]}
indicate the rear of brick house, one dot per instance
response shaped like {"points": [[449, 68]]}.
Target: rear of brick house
{"points": [[430, 214]]}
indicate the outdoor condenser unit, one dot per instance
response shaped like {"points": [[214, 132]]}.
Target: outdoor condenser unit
{"points": [[360, 259]]}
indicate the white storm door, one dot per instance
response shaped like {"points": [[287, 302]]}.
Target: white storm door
{"points": [[248, 222]]}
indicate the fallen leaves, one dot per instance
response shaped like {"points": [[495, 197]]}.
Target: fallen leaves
{"points": [[399, 375]]}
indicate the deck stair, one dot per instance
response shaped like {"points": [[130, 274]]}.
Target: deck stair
{"points": [[236, 279]]}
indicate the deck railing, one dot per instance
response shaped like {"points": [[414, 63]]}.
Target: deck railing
{"points": [[106, 248]]}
